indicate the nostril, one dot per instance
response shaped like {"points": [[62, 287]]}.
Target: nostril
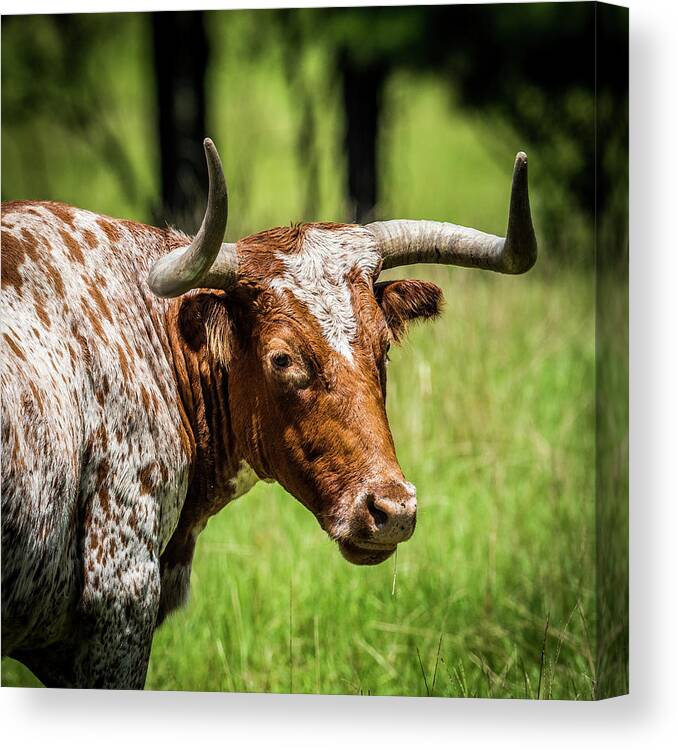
{"points": [[378, 516]]}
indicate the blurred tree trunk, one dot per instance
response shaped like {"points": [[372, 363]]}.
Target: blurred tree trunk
{"points": [[304, 94], [180, 55], [362, 87]]}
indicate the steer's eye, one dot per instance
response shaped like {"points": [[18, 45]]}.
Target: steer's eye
{"points": [[281, 360]]}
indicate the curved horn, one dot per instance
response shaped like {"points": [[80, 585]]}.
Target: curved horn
{"points": [[403, 242], [188, 267]]}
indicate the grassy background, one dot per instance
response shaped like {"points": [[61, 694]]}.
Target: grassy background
{"points": [[492, 410]]}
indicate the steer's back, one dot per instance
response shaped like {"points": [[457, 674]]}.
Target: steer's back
{"points": [[89, 414]]}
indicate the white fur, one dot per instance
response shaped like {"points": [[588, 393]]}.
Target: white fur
{"points": [[316, 275]]}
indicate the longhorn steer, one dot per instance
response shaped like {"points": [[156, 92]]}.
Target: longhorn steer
{"points": [[148, 379]]}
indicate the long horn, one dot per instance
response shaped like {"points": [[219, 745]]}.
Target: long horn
{"points": [[403, 242], [188, 267]]}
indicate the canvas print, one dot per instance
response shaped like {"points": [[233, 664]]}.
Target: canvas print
{"points": [[309, 383]]}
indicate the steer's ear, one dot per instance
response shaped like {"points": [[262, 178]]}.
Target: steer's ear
{"points": [[405, 300], [204, 322]]}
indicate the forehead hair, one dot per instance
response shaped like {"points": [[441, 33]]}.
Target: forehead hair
{"points": [[317, 263]]}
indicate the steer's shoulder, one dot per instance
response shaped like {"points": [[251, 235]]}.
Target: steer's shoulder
{"points": [[45, 242]]}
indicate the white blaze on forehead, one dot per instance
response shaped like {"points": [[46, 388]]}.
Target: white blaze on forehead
{"points": [[317, 275]]}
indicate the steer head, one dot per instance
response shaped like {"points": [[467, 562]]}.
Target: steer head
{"points": [[304, 327]]}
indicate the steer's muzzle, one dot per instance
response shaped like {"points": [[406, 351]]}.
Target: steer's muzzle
{"points": [[384, 514], [392, 510]]}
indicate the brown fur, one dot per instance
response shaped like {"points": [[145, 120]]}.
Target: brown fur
{"points": [[403, 301]]}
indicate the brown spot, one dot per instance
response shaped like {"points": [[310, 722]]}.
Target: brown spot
{"points": [[101, 389], [27, 236], [109, 229], [14, 252], [146, 478], [14, 346], [84, 347], [37, 396], [124, 363], [89, 237], [63, 212], [94, 319], [73, 249], [101, 436], [100, 300], [145, 398], [128, 348], [52, 273], [44, 317], [102, 490], [105, 500]]}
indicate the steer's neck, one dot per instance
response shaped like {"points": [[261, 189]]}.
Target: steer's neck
{"points": [[203, 391], [218, 473]]}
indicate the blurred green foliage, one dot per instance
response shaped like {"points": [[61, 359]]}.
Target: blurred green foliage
{"points": [[80, 90]]}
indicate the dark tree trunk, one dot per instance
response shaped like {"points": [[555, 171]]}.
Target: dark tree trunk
{"points": [[180, 54], [362, 92]]}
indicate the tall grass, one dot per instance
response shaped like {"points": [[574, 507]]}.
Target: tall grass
{"points": [[492, 410]]}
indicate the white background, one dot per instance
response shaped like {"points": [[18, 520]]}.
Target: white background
{"points": [[646, 718]]}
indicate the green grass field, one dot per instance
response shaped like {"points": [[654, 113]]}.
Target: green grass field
{"points": [[491, 406]]}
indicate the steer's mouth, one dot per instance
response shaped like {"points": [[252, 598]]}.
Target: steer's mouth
{"points": [[365, 553], [370, 522]]}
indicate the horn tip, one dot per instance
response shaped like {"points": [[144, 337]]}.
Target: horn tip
{"points": [[521, 158], [208, 145]]}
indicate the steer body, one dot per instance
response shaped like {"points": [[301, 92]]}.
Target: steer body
{"points": [[148, 378], [129, 420]]}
